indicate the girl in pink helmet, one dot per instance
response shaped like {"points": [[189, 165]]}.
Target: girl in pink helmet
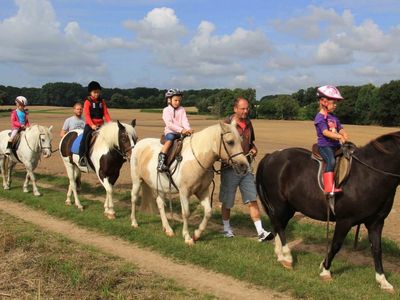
{"points": [[330, 132], [19, 120]]}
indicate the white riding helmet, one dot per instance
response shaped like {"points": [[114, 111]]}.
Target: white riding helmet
{"points": [[330, 92], [173, 92], [21, 100]]}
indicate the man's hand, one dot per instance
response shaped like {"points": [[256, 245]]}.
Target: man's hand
{"points": [[94, 127], [253, 152]]}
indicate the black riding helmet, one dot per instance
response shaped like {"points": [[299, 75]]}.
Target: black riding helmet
{"points": [[94, 85]]}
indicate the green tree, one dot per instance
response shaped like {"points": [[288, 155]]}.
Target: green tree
{"points": [[366, 104], [388, 108]]}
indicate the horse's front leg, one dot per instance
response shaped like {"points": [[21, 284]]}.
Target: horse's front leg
{"points": [[184, 197], [375, 237], [206, 203], [161, 208], [3, 171], [108, 203], [9, 170], [31, 176], [341, 230]]}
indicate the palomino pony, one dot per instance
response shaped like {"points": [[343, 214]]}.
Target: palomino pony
{"points": [[34, 141], [193, 175], [287, 182], [111, 148]]}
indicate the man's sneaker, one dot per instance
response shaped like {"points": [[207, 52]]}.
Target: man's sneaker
{"points": [[265, 236], [228, 234]]}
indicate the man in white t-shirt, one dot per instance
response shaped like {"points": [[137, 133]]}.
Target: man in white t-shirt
{"points": [[75, 122]]}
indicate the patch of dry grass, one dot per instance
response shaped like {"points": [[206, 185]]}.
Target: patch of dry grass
{"points": [[40, 265]]}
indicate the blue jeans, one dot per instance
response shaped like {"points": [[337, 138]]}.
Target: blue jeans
{"points": [[172, 136], [328, 154]]}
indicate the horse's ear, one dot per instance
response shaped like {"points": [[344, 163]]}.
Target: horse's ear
{"points": [[224, 127], [120, 126], [133, 123], [50, 128]]}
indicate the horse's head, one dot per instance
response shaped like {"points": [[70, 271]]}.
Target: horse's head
{"points": [[39, 139], [230, 150], [45, 138], [127, 137]]}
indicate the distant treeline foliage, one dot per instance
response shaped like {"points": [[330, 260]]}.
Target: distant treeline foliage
{"points": [[365, 104]]}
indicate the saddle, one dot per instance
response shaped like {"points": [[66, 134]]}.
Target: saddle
{"points": [[71, 142], [343, 163], [174, 152], [15, 141]]}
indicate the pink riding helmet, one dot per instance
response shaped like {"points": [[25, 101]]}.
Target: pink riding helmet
{"points": [[330, 92]]}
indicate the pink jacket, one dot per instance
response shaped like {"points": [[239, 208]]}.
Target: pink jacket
{"points": [[15, 124], [175, 119]]}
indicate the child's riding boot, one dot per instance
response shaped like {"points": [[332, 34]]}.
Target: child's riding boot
{"points": [[161, 167], [8, 149], [329, 183]]}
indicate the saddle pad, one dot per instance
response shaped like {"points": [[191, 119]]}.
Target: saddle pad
{"points": [[76, 144]]}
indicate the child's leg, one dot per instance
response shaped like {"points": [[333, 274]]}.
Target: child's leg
{"points": [[166, 147], [13, 134], [83, 144]]}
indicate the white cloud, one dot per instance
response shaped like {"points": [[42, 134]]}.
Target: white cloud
{"points": [[330, 53], [33, 40]]}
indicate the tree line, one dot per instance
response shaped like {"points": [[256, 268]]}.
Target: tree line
{"points": [[366, 104]]}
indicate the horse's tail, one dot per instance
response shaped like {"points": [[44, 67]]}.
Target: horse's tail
{"points": [[148, 203], [260, 184]]}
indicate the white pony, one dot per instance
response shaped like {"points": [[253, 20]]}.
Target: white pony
{"points": [[34, 141], [193, 175], [112, 147]]}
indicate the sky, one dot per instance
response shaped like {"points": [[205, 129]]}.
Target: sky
{"points": [[272, 46]]}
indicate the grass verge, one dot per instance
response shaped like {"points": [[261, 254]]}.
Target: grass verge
{"points": [[241, 257]]}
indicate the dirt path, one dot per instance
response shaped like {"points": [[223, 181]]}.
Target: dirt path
{"points": [[189, 276]]}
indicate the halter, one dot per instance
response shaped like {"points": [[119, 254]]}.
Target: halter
{"points": [[41, 147], [229, 162]]}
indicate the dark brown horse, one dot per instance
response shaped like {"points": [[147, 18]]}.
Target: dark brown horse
{"points": [[287, 182]]}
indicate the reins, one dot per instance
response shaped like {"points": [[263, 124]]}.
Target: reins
{"points": [[375, 169]]}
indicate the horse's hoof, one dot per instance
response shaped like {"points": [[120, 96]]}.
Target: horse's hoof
{"points": [[68, 203], [110, 216], [287, 264], [196, 235], [388, 290], [25, 190], [37, 194], [134, 224], [325, 277], [6, 187], [80, 208], [169, 233], [189, 242]]}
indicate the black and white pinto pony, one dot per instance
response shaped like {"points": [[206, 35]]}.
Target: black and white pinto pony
{"points": [[34, 142], [111, 148], [287, 182]]}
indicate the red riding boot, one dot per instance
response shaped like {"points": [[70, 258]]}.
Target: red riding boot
{"points": [[329, 183]]}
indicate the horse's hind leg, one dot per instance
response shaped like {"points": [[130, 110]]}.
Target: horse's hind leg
{"points": [[375, 237], [205, 202], [341, 230], [72, 172], [9, 170], [134, 197]]}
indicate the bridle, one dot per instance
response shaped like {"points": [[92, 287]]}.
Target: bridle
{"points": [[228, 162], [124, 151], [41, 147]]}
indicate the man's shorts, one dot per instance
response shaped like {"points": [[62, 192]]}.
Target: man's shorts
{"points": [[230, 181]]}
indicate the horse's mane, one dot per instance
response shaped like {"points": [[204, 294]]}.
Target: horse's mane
{"points": [[109, 133], [379, 142]]}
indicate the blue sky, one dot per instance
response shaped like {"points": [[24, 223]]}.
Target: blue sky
{"points": [[272, 46]]}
